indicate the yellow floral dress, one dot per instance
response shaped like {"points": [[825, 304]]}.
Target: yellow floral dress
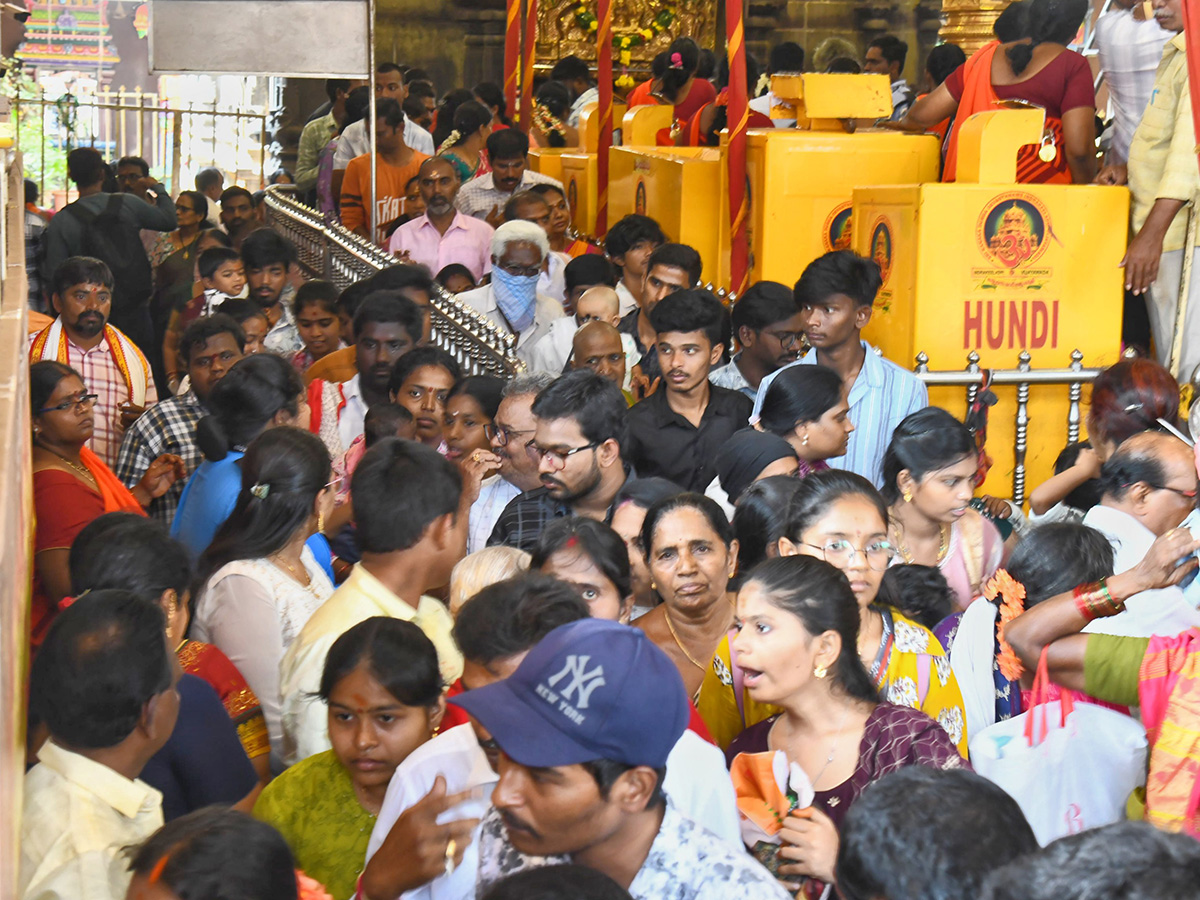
{"points": [[910, 669]]}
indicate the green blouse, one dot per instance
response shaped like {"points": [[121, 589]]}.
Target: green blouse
{"points": [[1111, 667], [314, 807]]}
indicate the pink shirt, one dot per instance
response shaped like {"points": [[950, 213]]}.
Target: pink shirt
{"points": [[467, 241]]}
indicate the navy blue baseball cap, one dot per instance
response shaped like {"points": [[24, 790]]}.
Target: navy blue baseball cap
{"points": [[592, 689]]}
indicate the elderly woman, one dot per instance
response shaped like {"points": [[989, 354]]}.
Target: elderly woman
{"points": [[511, 302]]}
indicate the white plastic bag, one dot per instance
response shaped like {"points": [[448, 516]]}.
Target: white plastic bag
{"points": [[1070, 766]]}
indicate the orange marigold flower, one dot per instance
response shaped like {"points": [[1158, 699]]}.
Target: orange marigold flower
{"points": [[1010, 594]]}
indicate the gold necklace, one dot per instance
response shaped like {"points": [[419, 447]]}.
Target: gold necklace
{"points": [[305, 582], [679, 643], [82, 470], [906, 553]]}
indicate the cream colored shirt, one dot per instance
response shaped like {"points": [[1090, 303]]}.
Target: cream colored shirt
{"points": [[78, 817], [305, 720], [1162, 156]]}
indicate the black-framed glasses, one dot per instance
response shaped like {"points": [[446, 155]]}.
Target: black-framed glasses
{"points": [[878, 554], [502, 435], [80, 403], [787, 339], [556, 458]]}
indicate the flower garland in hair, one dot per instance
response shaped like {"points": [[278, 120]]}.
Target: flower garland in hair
{"points": [[451, 139], [1009, 595], [547, 122]]}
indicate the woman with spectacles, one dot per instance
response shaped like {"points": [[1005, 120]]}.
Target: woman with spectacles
{"points": [[930, 471], [806, 406], [71, 484], [796, 634], [839, 517]]}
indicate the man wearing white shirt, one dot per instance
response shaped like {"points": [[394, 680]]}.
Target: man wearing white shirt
{"points": [[484, 197], [497, 630], [512, 302], [628, 246], [1130, 47], [787, 56], [575, 74], [1149, 489]]}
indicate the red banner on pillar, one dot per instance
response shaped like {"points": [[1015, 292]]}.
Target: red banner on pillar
{"points": [[738, 116], [604, 79], [512, 54], [528, 54]]}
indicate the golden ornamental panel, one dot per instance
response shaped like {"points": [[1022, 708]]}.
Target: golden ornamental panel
{"points": [[560, 34]]}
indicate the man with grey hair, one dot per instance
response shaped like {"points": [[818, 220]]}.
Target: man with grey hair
{"points": [[512, 302], [210, 182], [507, 470]]}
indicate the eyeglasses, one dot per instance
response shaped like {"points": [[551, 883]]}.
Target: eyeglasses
{"points": [[1190, 495], [502, 435], [80, 403], [556, 458], [841, 553], [527, 271], [787, 339]]}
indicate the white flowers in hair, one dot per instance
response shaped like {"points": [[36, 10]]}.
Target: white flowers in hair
{"points": [[260, 490], [451, 139]]}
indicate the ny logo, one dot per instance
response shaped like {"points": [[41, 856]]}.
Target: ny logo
{"points": [[582, 682]]}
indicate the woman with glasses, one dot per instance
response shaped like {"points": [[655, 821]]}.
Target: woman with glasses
{"points": [[806, 406], [71, 484], [929, 474], [839, 517], [796, 636], [261, 581]]}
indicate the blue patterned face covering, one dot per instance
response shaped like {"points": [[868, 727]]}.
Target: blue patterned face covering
{"points": [[516, 295]]}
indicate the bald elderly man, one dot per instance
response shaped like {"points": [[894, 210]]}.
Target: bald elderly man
{"points": [[597, 304]]}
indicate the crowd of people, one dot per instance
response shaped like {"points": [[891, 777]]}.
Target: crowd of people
{"points": [[701, 602]]}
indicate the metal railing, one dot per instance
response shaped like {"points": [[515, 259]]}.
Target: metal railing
{"points": [[1024, 377], [172, 139], [337, 255]]}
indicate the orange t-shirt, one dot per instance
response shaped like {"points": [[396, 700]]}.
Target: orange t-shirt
{"points": [[389, 191]]}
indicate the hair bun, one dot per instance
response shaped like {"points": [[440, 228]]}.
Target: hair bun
{"points": [[211, 439]]}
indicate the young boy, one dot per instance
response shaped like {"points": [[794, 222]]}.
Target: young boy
{"points": [[318, 321], [675, 433], [628, 245], [223, 276], [835, 297]]}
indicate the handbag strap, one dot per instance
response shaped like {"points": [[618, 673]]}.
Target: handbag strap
{"points": [[1039, 702]]}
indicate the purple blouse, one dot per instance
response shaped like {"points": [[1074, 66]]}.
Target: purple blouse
{"points": [[895, 737]]}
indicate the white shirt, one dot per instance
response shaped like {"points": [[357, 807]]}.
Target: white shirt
{"points": [[78, 817], [697, 784], [553, 280], [356, 140], [1161, 612], [479, 196], [591, 95], [483, 301], [494, 494], [352, 418], [627, 300], [554, 351], [1130, 52], [763, 105]]}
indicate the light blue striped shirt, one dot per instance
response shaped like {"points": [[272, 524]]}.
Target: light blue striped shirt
{"points": [[882, 395]]}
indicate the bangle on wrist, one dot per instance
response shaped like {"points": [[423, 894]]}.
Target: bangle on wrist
{"points": [[1094, 601]]}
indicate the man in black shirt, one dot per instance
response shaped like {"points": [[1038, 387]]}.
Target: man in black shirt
{"points": [[676, 432], [672, 267], [581, 429]]}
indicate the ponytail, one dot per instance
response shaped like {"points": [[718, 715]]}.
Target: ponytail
{"points": [[1048, 22]]}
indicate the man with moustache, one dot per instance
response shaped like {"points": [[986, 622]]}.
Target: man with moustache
{"points": [[443, 235], [110, 364], [268, 256], [508, 470], [581, 425], [237, 214]]}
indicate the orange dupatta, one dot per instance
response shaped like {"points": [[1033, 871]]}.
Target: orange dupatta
{"points": [[115, 495], [1169, 693], [977, 96]]}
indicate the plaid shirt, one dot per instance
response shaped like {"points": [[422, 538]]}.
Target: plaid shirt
{"points": [[101, 376], [168, 427], [527, 514]]}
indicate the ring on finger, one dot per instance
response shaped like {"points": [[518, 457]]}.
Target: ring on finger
{"points": [[451, 848]]}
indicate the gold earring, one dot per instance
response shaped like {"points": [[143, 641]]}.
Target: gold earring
{"points": [[820, 671], [320, 523], [907, 495]]}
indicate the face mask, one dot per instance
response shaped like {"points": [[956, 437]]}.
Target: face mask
{"points": [[516, 295]]}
